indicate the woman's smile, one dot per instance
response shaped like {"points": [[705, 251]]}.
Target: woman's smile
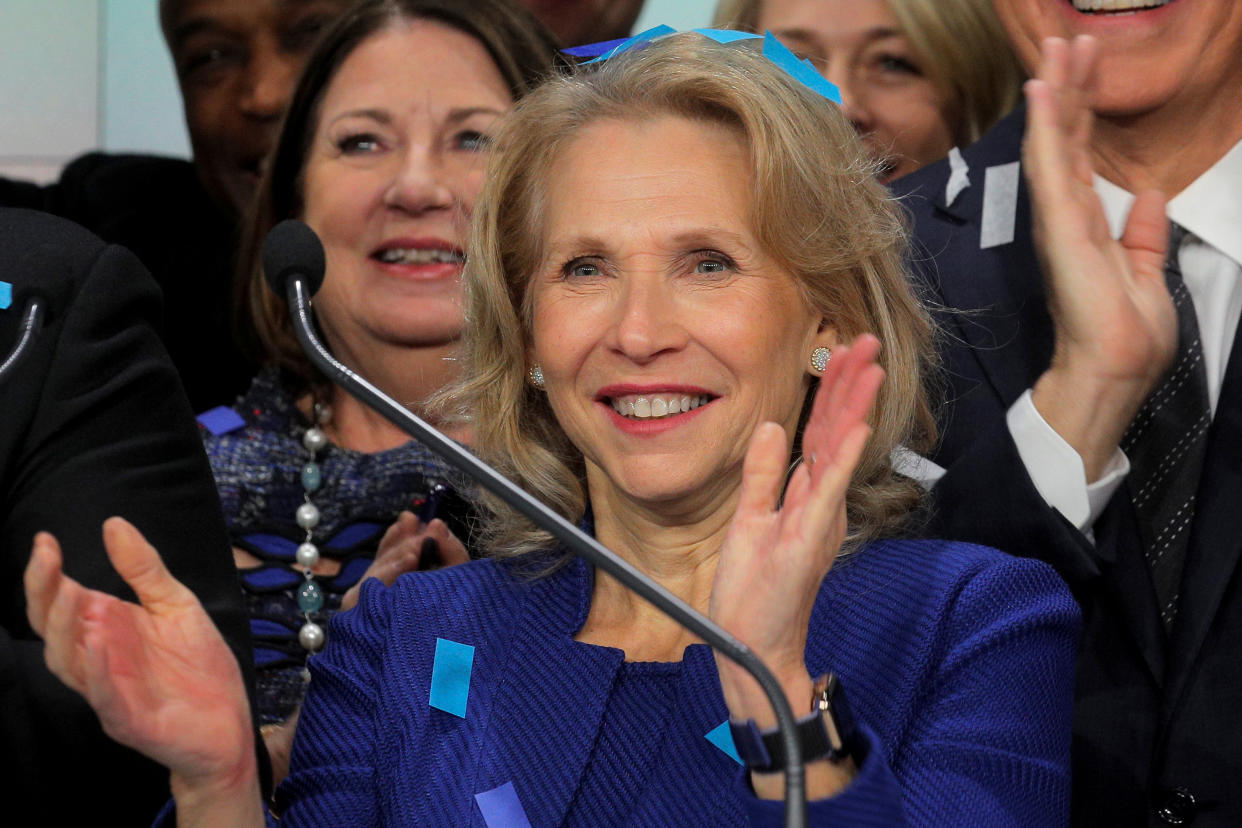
{"points": [[648, 410], [420, 259], [663, 330]]}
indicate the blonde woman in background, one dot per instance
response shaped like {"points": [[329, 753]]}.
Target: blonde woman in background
{"points": [[917, 77]]}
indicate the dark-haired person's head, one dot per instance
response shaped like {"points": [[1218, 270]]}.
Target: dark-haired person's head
{"points": [[577, 22], [382, 152], [236, 62]]}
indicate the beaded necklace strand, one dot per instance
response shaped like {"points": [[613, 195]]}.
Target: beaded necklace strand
{"points": [[310, 597]]}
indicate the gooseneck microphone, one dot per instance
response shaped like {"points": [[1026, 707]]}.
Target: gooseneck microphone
{"points": [[293, 263], [28, 329]]}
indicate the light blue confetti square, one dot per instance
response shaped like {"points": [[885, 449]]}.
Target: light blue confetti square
{"points": [[450, 676], [721, 737], [501, 808], [6, 295], [641, 37], [799, 69], [726, 35]]}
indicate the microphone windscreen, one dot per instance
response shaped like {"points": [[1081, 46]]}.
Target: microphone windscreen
{"points": [[291, 248]]}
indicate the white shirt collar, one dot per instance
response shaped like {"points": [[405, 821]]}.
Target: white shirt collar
{"points": [[1210, 208]]}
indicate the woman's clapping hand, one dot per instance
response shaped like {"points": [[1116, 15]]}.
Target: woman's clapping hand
{"points": [[405, 547], [777, 552]]}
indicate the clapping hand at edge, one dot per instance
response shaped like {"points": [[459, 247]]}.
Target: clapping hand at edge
{"points": [[158, 674]]}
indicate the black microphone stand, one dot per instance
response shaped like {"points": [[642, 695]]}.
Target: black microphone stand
{"points": [[298, 296], [32, 319]]}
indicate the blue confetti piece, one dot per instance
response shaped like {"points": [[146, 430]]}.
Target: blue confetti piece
{"points": [[594, 49], [221, 420], [450, 676], [641, 37], [800, 70], [722, 737], [501, 808], [726, 35], [6, 295]]}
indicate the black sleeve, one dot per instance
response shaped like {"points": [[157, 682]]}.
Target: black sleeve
{"points": [[95, 424], [987, 497], [64, 197]]}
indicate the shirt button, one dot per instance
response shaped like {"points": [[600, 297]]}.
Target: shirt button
{"points": [[1176, 806]]}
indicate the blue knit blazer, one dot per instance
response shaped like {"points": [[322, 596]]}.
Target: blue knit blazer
{"points": [[958, 662]]}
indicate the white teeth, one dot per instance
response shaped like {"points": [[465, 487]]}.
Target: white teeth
{"points": [[655, 406], [399, 255], [1117, 5]]}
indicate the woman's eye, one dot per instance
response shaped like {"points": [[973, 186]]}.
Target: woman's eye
{"points": [[581, 270], [359, 144], [473, 141], [898, 65], [710, 263]]}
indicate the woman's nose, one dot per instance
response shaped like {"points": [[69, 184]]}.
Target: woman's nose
{"points": [[418, 184], [853, 95], [648, 319]]}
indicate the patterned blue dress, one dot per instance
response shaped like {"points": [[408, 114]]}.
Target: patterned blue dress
{"points": [[256, 455]]}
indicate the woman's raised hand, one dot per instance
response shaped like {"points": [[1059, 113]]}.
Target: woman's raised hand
{"points": [[776, 553], [1116, 329], [404, 548], [159, 675]]}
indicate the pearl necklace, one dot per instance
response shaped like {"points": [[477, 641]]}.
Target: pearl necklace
{"points": [[310, 597]]}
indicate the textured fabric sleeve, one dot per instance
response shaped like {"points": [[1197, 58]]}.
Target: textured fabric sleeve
{"points": [[872, 799], [332, 767], [990, 744]]}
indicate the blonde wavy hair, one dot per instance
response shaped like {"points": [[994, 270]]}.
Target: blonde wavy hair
{"points": [[818, 211], [963, 49]]}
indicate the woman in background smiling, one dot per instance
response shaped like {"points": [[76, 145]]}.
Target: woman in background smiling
{"points": [[382, 152], [917, 77]]}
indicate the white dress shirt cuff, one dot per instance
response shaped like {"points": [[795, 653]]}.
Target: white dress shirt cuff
{"points": [[1057, 470]]}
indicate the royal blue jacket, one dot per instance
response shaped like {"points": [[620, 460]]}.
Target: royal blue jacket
{"points": [[957, 661]]}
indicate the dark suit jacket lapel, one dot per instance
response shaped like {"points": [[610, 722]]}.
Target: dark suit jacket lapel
{"points": [[1003, 312]]}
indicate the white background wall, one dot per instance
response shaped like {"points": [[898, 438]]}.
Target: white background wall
{"points": [[77, 75]]}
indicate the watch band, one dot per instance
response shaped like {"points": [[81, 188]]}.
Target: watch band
{"points": [[827, 732]]}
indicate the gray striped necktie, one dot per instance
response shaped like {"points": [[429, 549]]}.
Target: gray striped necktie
{"points": [[1166, 443]]}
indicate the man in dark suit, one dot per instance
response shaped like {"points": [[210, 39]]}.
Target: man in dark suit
{"points": [[93, 423], [1050, 374], [237, 62]]}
